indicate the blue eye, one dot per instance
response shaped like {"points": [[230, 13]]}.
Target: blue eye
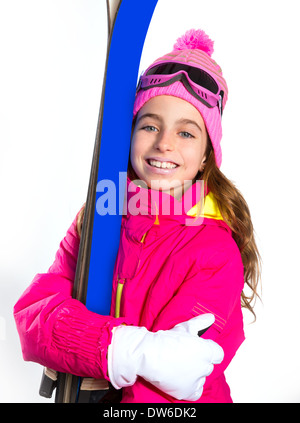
{"points": [[186, 134], [149, 128]]}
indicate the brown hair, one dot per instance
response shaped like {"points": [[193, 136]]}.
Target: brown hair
{"points": [[236, 214]]}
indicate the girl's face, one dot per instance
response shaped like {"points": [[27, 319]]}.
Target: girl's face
{"points": [[168, 144]]}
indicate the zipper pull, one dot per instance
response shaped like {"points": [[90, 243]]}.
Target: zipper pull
{"points": [[119, 296]]}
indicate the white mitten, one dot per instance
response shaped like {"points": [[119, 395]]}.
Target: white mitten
{"points": [[176, 361]]}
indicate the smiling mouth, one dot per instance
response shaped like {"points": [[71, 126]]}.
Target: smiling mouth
{"points": [[162, 165]]}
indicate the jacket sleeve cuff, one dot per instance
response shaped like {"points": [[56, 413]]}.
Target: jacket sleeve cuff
{"points": [[80, 340]]}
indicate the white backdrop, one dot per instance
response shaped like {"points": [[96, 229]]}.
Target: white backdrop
{"points": [[52, 58]]}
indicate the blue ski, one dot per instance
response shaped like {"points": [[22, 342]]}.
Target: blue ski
{"points": [[121, 77]]}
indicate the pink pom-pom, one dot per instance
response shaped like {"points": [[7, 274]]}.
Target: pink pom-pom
{"points": [[195, 39]]}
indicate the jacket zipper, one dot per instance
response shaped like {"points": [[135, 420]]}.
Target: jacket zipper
{"points": [[120, 287]]}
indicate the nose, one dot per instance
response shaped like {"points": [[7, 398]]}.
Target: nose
{"points": [[164, 142]]}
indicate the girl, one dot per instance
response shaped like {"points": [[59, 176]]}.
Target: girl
{"points": [[176, 273]]}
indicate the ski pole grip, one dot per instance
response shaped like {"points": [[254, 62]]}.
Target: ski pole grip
{"points": [[48, 383]]}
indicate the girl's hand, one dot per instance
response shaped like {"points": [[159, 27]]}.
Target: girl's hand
{"points": [[176, 361]]}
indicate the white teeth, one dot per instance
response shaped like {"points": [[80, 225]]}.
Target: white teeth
{"points": [[163, 165]]}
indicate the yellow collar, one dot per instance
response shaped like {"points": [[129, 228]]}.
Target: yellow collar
{"points": [[210, 210]]}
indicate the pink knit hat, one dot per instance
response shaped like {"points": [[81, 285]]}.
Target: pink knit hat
{"points": [[194, 49]]}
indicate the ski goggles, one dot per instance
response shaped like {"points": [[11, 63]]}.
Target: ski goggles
{"points": [[197, 82]]}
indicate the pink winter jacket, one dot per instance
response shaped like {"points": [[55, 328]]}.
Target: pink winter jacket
{"points": [[167, 271]]}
